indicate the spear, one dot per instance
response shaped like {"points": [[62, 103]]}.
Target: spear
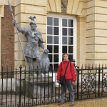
{"points": [[11, 10]]}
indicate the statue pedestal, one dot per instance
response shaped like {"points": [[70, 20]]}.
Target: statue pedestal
{"points": [[39, 87]]}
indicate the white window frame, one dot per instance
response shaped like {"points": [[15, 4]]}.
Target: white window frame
{"points": [[60, 33]]}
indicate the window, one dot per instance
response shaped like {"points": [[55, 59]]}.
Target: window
{"points": [[61, 37]]}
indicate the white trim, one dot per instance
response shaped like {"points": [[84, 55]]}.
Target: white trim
{"points": [[60, 44], [0, 43], [46, 35], [75, 40]]}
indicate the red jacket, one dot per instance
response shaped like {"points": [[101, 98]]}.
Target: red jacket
{"points": [[70, 73]]}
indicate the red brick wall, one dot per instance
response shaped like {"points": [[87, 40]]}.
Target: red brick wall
{"points": [[7, 39]]}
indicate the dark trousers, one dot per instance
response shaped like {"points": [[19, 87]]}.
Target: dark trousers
{"points": [[69, 86]]}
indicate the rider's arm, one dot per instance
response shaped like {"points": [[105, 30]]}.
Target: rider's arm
{"points": [[22, 30]]}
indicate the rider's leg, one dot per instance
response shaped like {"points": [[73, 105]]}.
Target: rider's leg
{"points": [[30, 63]]}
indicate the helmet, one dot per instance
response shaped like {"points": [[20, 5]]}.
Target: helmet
{"points": [[32, 20]]}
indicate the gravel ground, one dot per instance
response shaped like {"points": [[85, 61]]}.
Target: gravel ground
{"points": [[101, 102]]}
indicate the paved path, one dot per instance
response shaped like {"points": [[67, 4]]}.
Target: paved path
{"points": [[101, 102]]}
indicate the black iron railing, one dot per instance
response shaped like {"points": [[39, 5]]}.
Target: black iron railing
{"points": [[24, 88]]}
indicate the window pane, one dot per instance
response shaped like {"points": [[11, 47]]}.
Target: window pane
{"points": [[50, 57], [49, 47], [70, 23], [56, 31], [56, 39], [64, 40], [55, 67], [71, 57], [51, 68], [70, 40], [70, 32], [64, 31], [64, 49], [49, 21], [49, 39], [56, 50], [70, 49], [49, 30], [64, 22], [56, 22], [56, 58]]}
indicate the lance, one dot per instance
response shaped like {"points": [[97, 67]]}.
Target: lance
{"points": [[11, 10]]}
